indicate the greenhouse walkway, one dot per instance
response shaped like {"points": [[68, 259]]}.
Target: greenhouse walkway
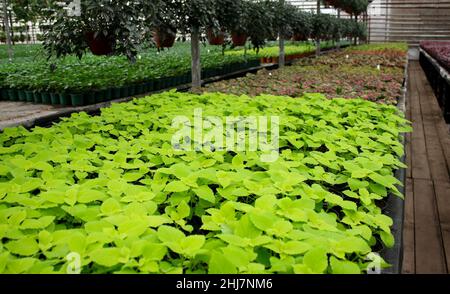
{"points": [[426, 229]]}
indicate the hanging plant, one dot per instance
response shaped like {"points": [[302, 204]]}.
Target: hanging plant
{"points": [[99, 44], [256, 22], [215, 38], [239, 38], [164, 37], [354, 7], [103, 26], [301, 25], [321, 25]]}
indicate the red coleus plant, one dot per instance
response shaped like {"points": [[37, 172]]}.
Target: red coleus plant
{"points": [[372, 77], [439, 50]]}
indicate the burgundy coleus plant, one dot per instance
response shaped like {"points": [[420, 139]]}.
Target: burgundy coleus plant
{"points": [[337, 75]]}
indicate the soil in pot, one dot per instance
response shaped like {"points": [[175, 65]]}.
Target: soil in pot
{"points": [[100, 44], [239, 39]]}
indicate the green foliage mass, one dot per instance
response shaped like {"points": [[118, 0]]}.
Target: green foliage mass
{"points": [[112, 189], [99, 72]]}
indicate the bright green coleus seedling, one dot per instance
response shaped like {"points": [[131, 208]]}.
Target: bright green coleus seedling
{"points": [[109, 193]]}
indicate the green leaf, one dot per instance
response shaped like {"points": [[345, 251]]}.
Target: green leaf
{"points": [[237, 256], [205, 193], [176, 186], [237, 162], [353, 244], [191, 245], [106, 256], [40, 223], [296, 247], [87, 196], [53, 196], [22, 265], [343, 266], [386, 181], [154, 252], [316, 259], [356, 184], [170, 234], [219, 264], [387, 238], [262, 220], [26, 246], [110, 206]]}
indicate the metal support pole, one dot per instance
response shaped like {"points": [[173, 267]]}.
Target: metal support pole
{"points": [[281, 59], [7, 30], [195, 54], [318, 37]]}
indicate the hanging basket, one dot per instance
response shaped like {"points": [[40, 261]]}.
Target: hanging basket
{"points": [[100, 44], [299, 37], [215, 39], [331, 2], [164, 38], [239, 39], [273, 37]]}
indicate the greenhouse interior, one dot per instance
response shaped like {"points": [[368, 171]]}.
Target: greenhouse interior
{"points": [[225, 137]]}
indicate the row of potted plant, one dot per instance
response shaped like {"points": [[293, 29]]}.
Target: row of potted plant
{"points": [[352, 7], [439, 50], [133, 24], [97, 71], [88, 95], [353, 73]]}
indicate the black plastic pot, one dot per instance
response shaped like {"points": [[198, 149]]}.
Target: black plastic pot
{"points": [[13, 95], [45, 97], [37, 97], [54, 98], [99, 96], [149, 86], [131, 90], [139, 89], [102, 95], [395, 205], [77, 99], [115, 93], [64, 99], [29, 96], [21, 96], [157, 84], [124, 91], [4, 94], [89, 98]]}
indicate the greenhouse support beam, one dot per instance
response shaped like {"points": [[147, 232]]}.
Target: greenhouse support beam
{"points": [[7, 30], [195, 54]]}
